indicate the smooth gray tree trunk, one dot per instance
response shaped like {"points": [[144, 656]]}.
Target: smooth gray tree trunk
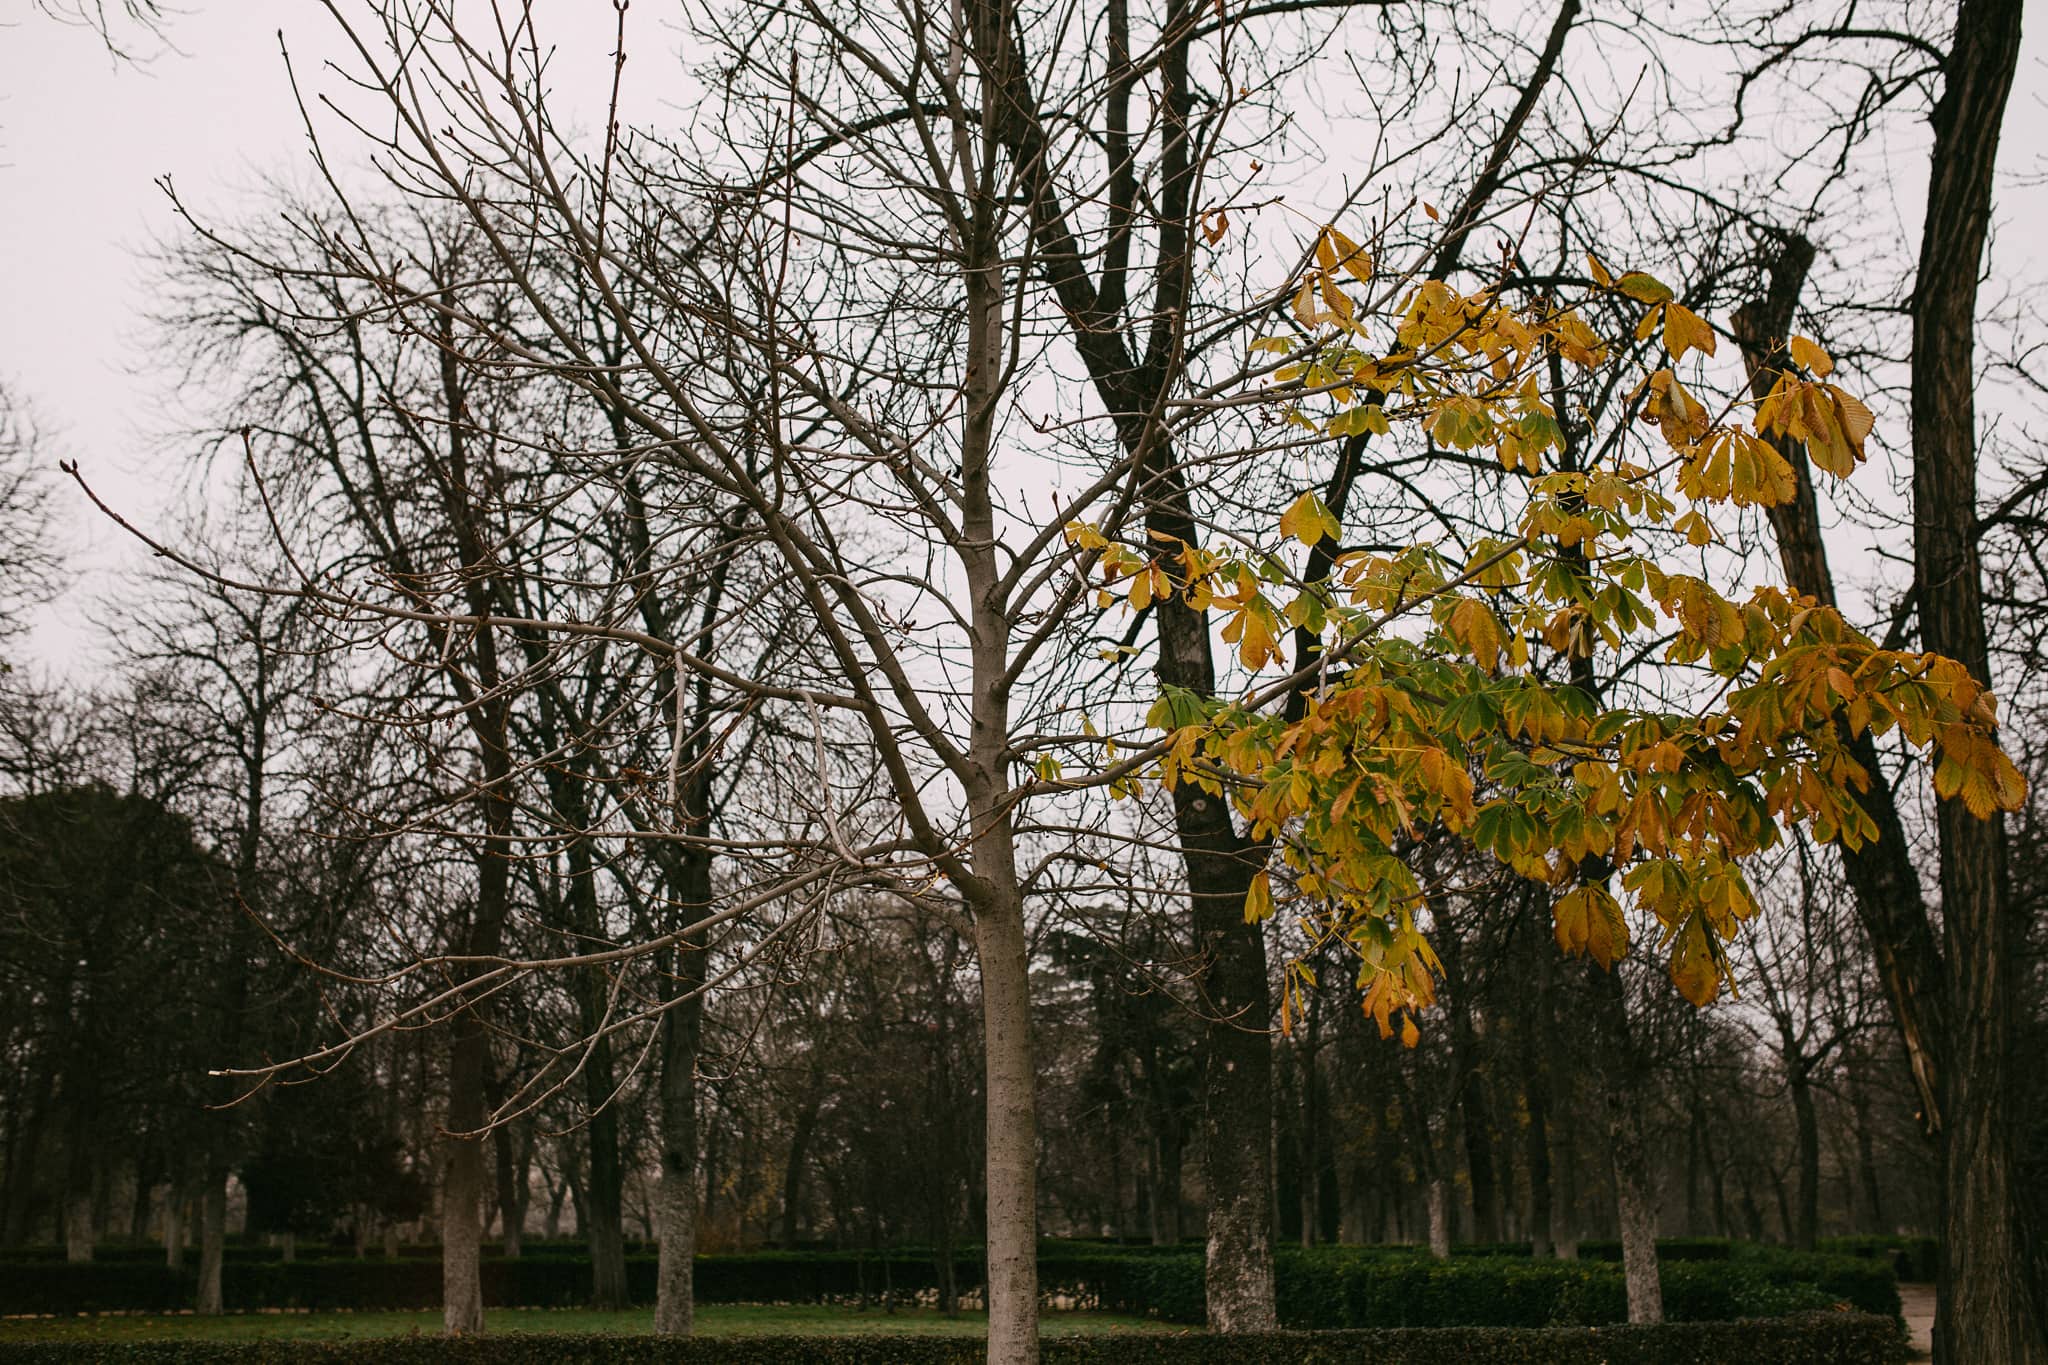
{"points": [[1440, 1218], [1012, 1136]]}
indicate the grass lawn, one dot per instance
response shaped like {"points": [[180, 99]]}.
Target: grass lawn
{"points": [[713, 1320]]}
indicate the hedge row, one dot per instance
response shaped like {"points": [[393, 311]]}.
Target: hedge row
{"points": [[1325, 1291], [1323, 1288], [1812, 1339], [525, 1282], [1915, 1259]]}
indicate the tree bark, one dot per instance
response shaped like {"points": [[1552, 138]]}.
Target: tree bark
{"points": [[1012, 1138], [1806, 1124], [462, 1181], [1866, 1153], [1990, 1305], [213, 1240], [606, 1233], [799, 1156], [1889, 900], [78, 1237], [174, 1227], [1476, 1119], [676, 1190], [512, 1192], [1440, 1218], [1635, 1192], [1130, 370], [1535, 1026]]}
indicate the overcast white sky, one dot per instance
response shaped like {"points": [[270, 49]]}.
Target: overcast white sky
{"points": [[83, 137]]}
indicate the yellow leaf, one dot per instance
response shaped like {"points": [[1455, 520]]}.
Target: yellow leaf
{"points": [[1856, 419], [1685, 330], [1307, 520], [1305, 304], [1807, 355], [1676, 412], [1258, 901], [1352, 257], [1589, 923], [1695, 966], [1338, 301], [1601, 276], [1140, 592]]}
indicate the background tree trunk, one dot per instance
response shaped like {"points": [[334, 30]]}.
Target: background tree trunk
{"points": [[1635, 1191], [213, 1239]]}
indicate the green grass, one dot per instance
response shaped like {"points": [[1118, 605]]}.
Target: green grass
{"points": [[713, 1320]]}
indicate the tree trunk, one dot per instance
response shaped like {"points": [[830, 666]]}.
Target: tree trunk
{"points": [[1990, 1306], [1636, 1205], [795, 1164], [1565, 1217], [1477, 1122], [606, 1232], [1440, 1218], [1012, 1134], [462, 1181], [1785, 1218], [675, 1195], [1167, 1183], [1635, 1193], [213, 1240], [174, 1227], [511, 1195], [1130, 371], [1866, 1154], [1536, 1153], [1717, 1182], [1889, 901], [1806, 1123], [1535, 1025], [78, 1237]]}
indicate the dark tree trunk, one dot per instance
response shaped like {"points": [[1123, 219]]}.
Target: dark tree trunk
{"points": [[1992, 1305], [605, 1233], [798, 1160], [1866, 1154], [174, 1227], [1889, 902], [1806, 1124], [1717, 1181], [463, 1182], [1476, 1114], [513, 1148], [1693, 1160], [1784, 1198]]}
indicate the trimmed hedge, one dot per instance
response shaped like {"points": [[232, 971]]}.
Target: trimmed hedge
{"points": [[1320, 1289], [1812, 1339], [151, 1253], [1913, 1259]]}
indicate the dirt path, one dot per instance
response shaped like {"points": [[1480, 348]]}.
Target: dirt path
{"points": [[1918, 1302]]}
